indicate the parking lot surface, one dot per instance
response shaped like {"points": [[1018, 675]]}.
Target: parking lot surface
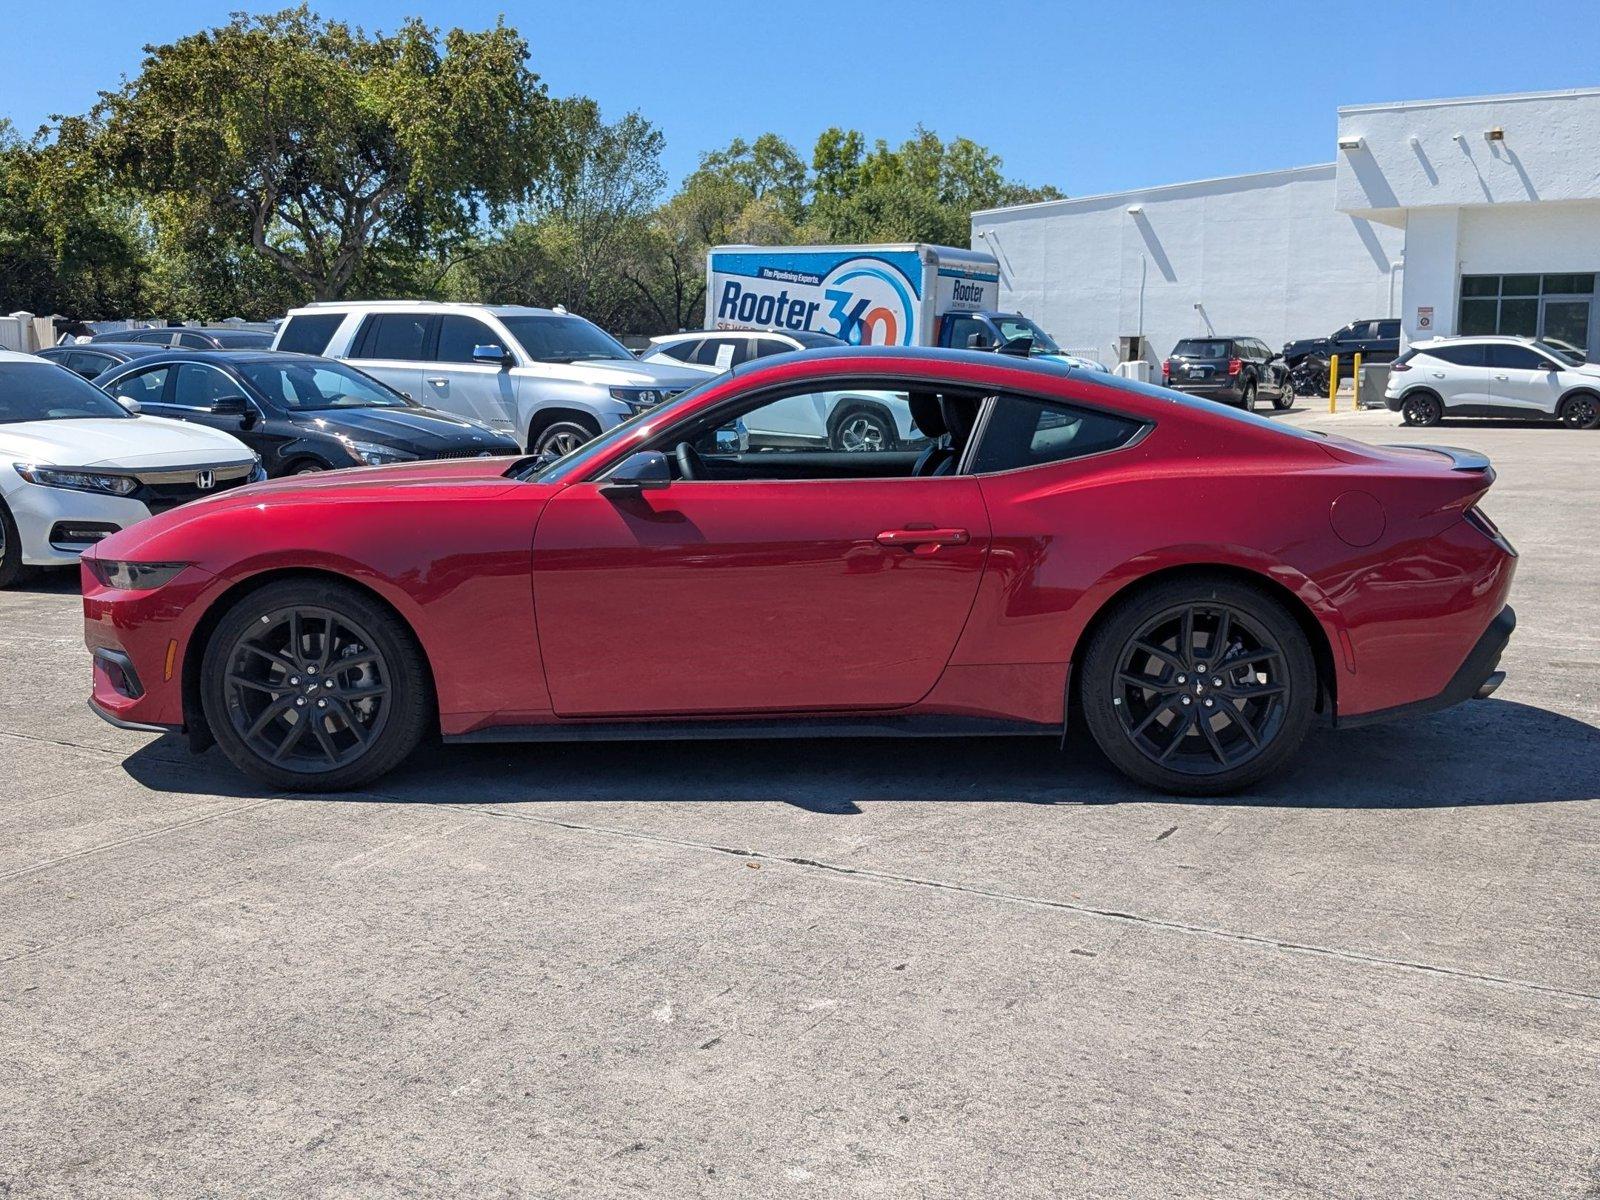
{"points": [[861, 968]]}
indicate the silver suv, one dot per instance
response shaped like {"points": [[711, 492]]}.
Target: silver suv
{"points": [[550, 379]]}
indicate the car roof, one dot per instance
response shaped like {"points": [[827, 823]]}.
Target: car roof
{"points": [[1504, 339], [164, 354], [498, 310], [136, 349]]}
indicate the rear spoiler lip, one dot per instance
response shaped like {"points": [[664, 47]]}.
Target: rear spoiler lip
{"points": [[1460, 460]]}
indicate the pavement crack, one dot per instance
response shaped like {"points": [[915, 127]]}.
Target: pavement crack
{"points": [[1086, 910], [161, 831]]}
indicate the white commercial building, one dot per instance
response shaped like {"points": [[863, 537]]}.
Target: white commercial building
{"points": [[1456, 216]]}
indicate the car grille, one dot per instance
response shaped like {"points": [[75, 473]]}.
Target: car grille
{"points": [[469, 452], [163, 490]]}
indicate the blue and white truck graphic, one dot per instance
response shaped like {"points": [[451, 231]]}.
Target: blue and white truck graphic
{"points": [[895, 295]]}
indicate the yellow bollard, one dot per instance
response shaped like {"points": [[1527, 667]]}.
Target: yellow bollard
{"points": [[1333, 384], [1358, 380]]}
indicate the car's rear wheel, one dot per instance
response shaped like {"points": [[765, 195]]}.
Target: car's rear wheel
{"points": [[1198, 686], [862, 429], [11, 568], [1581, 412], [314, 686], [1421, 408]]}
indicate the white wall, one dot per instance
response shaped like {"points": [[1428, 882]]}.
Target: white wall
{"points": [[1410, 156], [1264, 255]]}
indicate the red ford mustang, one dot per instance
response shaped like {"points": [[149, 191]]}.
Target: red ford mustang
{"points": [[1019, 545]]}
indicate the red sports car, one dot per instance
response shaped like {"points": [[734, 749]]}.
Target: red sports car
{"points": [[1029, 545]]}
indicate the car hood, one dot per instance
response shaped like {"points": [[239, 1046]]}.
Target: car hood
{"points": [[417, 429], [634, 372], [130, 443]]}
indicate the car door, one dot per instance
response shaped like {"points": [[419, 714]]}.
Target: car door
{"points": [[194, 389], [1522, 378], [458, 384], [814, 591], [392, 347], [1459, 374]]}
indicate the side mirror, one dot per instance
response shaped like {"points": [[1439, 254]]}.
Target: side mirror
{"points": [[232, 406], [129, 403], [978, 341], [491, 355], [645, 471]]}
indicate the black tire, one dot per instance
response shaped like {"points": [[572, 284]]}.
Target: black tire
{"points": [[1581, 411], [305, 466], [247, 681], [1284, 400], [1248, 402], [862, 430], [562, 435], [1421, 408], [11, 569], [1155, 733]]}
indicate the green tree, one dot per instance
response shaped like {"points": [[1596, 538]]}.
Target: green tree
{"points": [[323, 147], [768, 168]]}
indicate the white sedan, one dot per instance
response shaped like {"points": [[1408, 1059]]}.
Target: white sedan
{"points": [[76, 465]]}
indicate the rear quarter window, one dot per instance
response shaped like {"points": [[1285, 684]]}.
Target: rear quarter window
{"points": [[1023, 432], [309, 334]]}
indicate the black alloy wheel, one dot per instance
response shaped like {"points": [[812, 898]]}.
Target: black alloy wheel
{"points": [[1580, 412], [313, 686], [1199, 687], [1421, 408]]}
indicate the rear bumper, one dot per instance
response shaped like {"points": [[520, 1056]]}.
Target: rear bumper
{"points": [[1476, 678], [1227, 393]]}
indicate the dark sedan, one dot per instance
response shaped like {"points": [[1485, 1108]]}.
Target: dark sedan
{"points": [[300, 413], [192, 337], [93, 359]]}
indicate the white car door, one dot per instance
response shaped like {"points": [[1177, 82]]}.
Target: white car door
{"points": [[1458, 373], [1522, 378], [392, 347], [457, 383]]}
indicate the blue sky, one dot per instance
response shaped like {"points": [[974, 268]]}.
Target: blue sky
{"points": [[1089, 97]]}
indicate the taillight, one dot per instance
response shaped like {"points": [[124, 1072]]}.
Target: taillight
{"points": [[1480, 521], [1399, 366], [1235, 365], [1166, 370]]}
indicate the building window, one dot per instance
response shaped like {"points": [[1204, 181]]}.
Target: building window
{"points": [[1548, 306]]}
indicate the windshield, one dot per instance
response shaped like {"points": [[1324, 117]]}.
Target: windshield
{"points": [[1195, 348], [1565, 351], [317, 386], [43, 391], [558, 339], [1021, 327], [571, 464]]}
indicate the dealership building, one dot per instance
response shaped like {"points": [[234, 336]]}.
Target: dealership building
{"points": [[1477, 215]]}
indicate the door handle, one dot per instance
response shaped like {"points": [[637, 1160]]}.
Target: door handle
{"points": [[923, 541], [441, 381], [1502, 378]]}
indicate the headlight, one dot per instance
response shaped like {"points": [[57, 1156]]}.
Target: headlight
{"points": [[134, 576], [258, 473], [374, 455], [637, 398], [78, 481]]}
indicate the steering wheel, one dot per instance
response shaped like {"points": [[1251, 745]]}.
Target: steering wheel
{"points": [[690, 464]]}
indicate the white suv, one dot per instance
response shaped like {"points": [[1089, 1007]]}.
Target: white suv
{"points": [[550, 379], [1494, 377]]}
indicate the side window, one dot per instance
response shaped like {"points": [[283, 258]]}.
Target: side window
{"points": [[145, 386], [194, 341], [400, 336], [743, 350], [1458, 356], [717, 352], [459, 336], [1514, 358], [200, 386], [681, 351], [1023, 432], [851, 422], [86, 363], [152, 337], [1388, 329], [311, 333], [770, 346], [961, 329]]}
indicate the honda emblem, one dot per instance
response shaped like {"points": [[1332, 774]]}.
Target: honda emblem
{"points": [[205, 481]]}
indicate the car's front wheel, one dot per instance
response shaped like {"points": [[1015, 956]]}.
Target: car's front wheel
{"points": [[1580, 412], [314, 686], [1421, 408], [1249, 401], [11, 568], [1198, 686], [562, 437], [1285, 397]]}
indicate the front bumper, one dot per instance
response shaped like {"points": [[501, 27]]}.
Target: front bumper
{"points": [[1476, 678], [44, 513], [138, 642]]}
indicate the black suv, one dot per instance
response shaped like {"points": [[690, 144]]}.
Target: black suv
{"points": [[1232, 370], [1377, 341]]}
